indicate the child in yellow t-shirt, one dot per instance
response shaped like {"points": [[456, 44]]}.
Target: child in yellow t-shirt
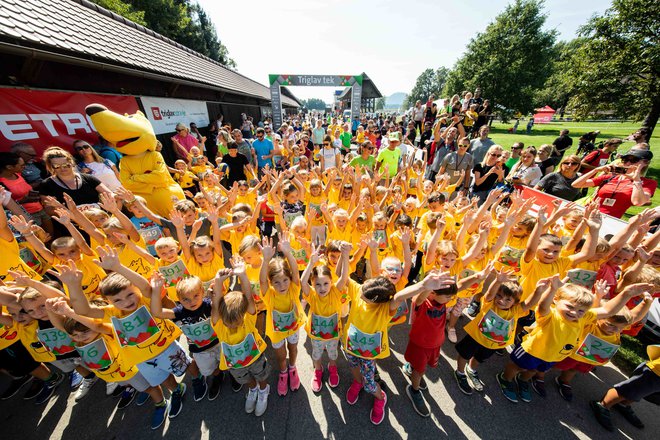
{"points": [[186, 179]]}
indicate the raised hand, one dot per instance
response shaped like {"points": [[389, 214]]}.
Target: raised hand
{"points": [[59, 306], [638, 289], [595, 220], [20, 279], [157, 281], [109, 258], [108, 203], [284, 243], [601, 288], [238, 265], [176, 218], [19, 223], [62, 216], [68, 273], [436, 280], [267, 248]]}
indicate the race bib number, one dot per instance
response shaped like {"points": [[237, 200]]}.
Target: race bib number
{"points": [[495, 328], [95, 355], [242, 354], [135, 328], [325, 327], [466, 273], [380, 237], [284, 322], [150, 236], [316, 210], [201, 333], [583, 277], [510, 257], [289, 217], [174, 273], [300, 255], [401, 311], [55, 341], [256, 291], [609, 202], [87, 206], [29, 258], [596, 350], [364, 345]]}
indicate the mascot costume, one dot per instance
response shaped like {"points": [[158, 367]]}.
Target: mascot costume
{"points": [[142, 168]]}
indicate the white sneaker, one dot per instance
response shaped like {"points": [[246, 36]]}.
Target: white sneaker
{"points": [[110, 388], [86, 385], [262, 401], [251, 400], [451, 335]]}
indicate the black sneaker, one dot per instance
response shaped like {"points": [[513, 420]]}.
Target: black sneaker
{"points": [[418, 401], [199, 388], [176, 400], [407, 370], [15, 386], [49, 388], [216, 386], [602, 414], [235, 386], [118, 391], [378, 379], [473, 309], [127, 397], [628, 414], [34, 390], [509, 389], [565, 390], [463, 384], [539, 386], [524, 389], [500, 352]]}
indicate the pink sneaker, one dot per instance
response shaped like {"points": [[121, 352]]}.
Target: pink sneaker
{"points": [[378, 411], [333, 380], [283, 384], [294, 380], [317, 380], [353, 392]]}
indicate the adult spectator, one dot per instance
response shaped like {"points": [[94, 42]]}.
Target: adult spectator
{"points": [[640, 136], [560, 183], [390, 156], [411, 132], [546, 159], [223, 139], [244, 147], [246, 126], [11, 165], [183, 141], [479, 146], [563, 143], [444, 143], [64, 178], [587, 141], [107, 152], [430, 110], [477, 99], [620, 187], [488, 173], [365, 158], [418, 115], [306, 147], [483, 113], [425, 140], [239, 165], [516, 149], [330, 156], [34, 170], [600, 156], [457, 162], [263, 148], [318, 133], [526, 172], [89, 162]]}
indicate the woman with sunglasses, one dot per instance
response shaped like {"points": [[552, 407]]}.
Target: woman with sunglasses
{"points": [[458, 161], [330, 157], [89, 162], [526, 172], [365, 159], [488, 173], [621, 185], [183, 141], [560, 183]]}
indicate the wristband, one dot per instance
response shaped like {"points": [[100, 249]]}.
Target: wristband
{"points": [[6, 198]]}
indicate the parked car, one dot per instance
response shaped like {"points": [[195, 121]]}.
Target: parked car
{"points": [[650, 334]]}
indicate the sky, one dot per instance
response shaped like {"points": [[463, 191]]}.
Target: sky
{"points": [[392, 41]]}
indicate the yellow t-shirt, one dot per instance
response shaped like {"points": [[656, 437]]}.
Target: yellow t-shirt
{"points": [[102, 357], [93, 274], [249, 199], [314, 204], [493, 327], [32, 258], [253, 275], [299, 253], [595, 347], [366, 332], [134, 261], [324, 315], [532, 272], [469, 122], [28, 335], [554, 338], [653, 352], [344, 235], [472, 268], [205, 272], [187, 180], [241, 346], [140, 336], [11, 260], [8, 334], [511, 253], [284, 313]]}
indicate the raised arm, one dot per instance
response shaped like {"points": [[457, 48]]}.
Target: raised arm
{"points": [[109, 260], [434, 280], [109, 203], [157, 281], [268, 252], [285, 247], [64, 219], [25, 228], [534, 238], [615, 304]]}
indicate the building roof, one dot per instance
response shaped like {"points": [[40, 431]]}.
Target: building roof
{"points": [[369, 89], [84, 30]]}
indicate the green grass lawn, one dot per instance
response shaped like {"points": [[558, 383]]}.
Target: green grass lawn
{"points": [[546, 133]]}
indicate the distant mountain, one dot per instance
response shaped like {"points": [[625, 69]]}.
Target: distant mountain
{"points": [[395, 100]]}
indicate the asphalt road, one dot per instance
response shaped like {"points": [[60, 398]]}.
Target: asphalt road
{"points": [[304, 415]]}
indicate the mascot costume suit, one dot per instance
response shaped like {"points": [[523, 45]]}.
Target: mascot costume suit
{"points": [[142, 169]]}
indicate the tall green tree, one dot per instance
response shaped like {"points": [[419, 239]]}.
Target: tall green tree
{"points": [[509, 59], [618, 67], [430, 82], [380, 103], [314, 104]]}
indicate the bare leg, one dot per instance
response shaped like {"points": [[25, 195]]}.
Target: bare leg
{"points": [[612, 398], [193, 369], [156, 394], [567, 376], [474, 364], [293, 353], [416, 379], [453, 319], [41, 372], [460, 365], [171, 383], [280, 354], [357, 376], [510, 371], [527, 374]]}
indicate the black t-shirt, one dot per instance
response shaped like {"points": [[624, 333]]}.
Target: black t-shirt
{"points": [[563, 143], [236, 164], [560, 186], [85, 194], [187, 317], [490, 181]]}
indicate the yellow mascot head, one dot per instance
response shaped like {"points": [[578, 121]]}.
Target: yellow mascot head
{"points": [[129, 134]]}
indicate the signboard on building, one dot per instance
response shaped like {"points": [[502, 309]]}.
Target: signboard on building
{"points": [[165, 113]]}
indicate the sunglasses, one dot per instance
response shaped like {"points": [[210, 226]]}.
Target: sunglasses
{"points": [[368, 148], [464, 145], [83, 147], [495, 154], [64, 166], [571, 163], [326, 143], [179, 130], [517, 148], [630, 159]]}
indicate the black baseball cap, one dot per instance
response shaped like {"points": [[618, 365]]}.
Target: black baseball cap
{"points": [[639, 154]]}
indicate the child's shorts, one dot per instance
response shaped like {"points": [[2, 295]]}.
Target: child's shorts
{"points": [[139, 382], [367, 370], [643, 382], [420, 357], [66, 365], [461, 304], [468, 348], [258, 370], [17, 360], [330, 345], [292, 339], [174, 360], [573, 364], [526, 361], [208, 360]]}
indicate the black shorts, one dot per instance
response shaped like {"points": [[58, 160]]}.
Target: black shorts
{"points": [[643, 382], [468, 348], [17, 360]]}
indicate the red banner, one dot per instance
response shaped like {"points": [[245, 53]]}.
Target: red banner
{"points": [[42, 118]]}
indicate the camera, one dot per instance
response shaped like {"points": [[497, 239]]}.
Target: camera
{"points": [[619, 170]]}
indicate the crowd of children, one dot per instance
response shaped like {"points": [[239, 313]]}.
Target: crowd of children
{"points": [[340, 252]]}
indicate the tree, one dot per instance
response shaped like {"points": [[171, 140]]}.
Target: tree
{"points": [[509, 59], [430, 82], [314, 104], [122, 8], [380, 103], [618, 67]]}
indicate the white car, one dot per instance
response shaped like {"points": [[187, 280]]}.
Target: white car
{"points": [[651, 329]]}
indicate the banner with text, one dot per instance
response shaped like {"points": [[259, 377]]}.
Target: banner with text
{"points": [[165, 113], [44, 118]]}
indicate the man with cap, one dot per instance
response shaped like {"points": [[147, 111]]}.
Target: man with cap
{"points": [[621, 186], [391, 155], [239, 165], [600, 156]]}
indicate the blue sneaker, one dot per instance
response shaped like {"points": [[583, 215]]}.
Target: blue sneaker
{"points": [[49, 388], [75, 380], [176, 401], [160, 414], [142, 398], [508, 388], [524, 388]]}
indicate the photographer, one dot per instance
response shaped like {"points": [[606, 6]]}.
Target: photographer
{"points": [[621, 187]]}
